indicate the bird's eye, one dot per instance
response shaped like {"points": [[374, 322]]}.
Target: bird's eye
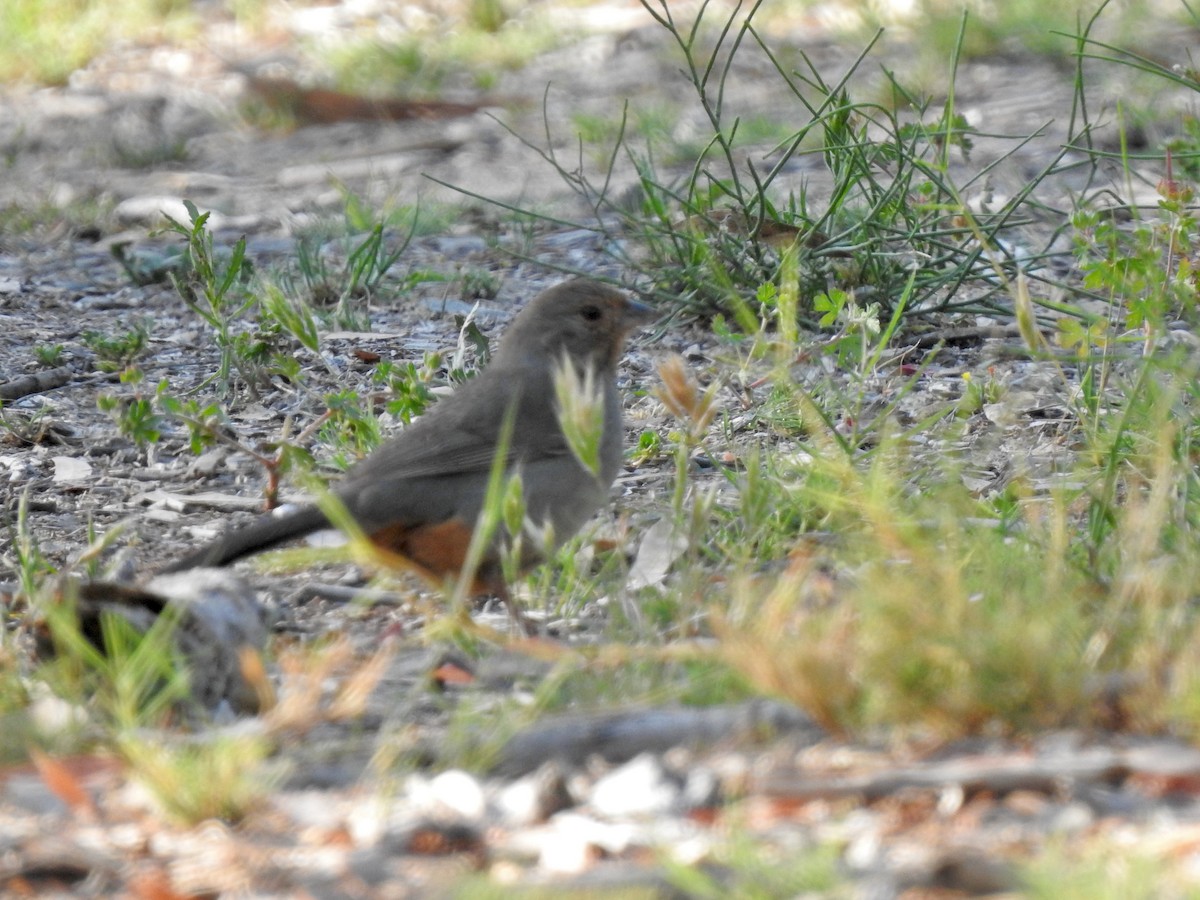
{"points": [[591, 313]]}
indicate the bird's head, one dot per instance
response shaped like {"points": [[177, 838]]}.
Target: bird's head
{"points": [[584, 319]]}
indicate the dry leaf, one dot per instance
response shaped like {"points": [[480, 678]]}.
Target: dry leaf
{"points": [[449, 673], [63, 782], [660, 547]]}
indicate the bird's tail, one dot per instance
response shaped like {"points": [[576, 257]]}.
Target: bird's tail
{"points": [[253, 538]]}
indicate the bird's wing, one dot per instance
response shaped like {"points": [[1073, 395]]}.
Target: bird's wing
{"points": [[460, 434]]}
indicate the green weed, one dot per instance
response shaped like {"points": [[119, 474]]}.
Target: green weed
{"points": [[44, 41], [476, 52], [117, 351], [346, 291], [215, 287], [222, 777], [48, 355], [137, 416], [132, 678], [891, 224]]}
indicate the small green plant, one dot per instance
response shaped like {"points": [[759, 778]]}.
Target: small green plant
{"points": [[361, 216], [977, 393], [429, 57], [293, 315], [649, 447], [27, 561], [223, 777], [1096, 869], [214, 287], [30, 429], [346, 292], [137, 416], [133, 677], [117, 351], [348, 428], [367, 265], [479, 284], [48, 355], [487, 15], [752, 868], [408, 385], [204, 421], [1145, 272]]}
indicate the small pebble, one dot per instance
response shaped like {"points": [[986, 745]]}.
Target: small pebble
{"points": [[641, 787]]}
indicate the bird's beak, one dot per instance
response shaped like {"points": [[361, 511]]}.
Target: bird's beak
{"points": [[638, 315]]}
